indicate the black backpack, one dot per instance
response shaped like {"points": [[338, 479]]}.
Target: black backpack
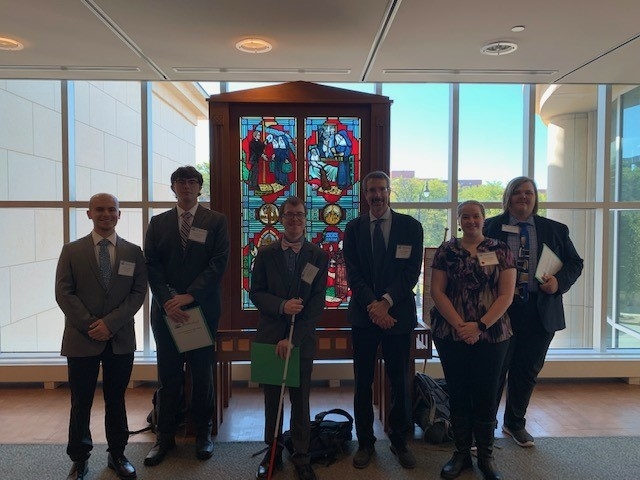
{"points": [[431, 409], [328, 437]]}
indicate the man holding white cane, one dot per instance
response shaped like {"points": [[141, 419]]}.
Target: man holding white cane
{"points": [[288, 282]]}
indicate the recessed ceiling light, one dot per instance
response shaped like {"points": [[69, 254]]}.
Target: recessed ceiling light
{"points": [[499, 48], [253, 45], [518, 28], [10, 44]]}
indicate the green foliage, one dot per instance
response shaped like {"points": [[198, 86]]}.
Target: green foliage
{"points": [[203, 168]]}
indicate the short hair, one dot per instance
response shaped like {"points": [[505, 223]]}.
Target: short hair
{"points": [[103, 194], [186, 173], [470, 202], [375, 174], [294, 202], [512, 186]]}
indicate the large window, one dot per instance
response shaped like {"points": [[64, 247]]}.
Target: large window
{"points": [[448, 143]]}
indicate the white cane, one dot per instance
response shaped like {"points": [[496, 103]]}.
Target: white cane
{"points": [[274, 443]]}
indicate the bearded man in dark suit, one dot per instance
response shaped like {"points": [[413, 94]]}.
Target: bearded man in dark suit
{"points": [[101, 282], [537, 311], [383, 252], [187, 249]]}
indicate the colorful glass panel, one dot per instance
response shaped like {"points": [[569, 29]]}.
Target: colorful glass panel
{"points": [[268, 154], [332, 192]]}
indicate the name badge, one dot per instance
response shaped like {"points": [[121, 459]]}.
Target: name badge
{"points": [[511, 229], [198, 235], [309, 273], [403, 251], [126, 268], [487, 258]]}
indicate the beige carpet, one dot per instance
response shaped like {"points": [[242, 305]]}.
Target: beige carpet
{"points": [[552, 458]]}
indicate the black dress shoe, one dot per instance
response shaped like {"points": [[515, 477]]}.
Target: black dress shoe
{"points": [[79, 470], [305, 472], [263, 468], [204, 447], [158, 452], [122, 467]]}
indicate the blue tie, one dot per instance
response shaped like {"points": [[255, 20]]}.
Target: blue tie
{"points": [[105, 261], [522, 287]]}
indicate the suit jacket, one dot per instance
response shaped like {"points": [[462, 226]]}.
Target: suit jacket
{"points": [[84, 299], [271, 284], [556, 236], [400, 275], [196, 270]]}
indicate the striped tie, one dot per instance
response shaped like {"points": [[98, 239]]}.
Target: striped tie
{"points": [[185, 227]]}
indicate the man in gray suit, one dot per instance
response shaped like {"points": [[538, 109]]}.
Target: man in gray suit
{"points": [[187, 249], [290, 278], [101, 282]]}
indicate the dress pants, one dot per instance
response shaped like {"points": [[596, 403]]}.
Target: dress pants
{"points": [[300, 414], [525, 358], [395, 351], [83, 377], [171, 380], [472, 373]]}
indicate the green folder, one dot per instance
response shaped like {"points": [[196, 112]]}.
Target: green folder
{"points": [[268, 368]]}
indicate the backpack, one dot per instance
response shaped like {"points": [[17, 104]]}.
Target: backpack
{"points": [[328, 437], [431, 409]]}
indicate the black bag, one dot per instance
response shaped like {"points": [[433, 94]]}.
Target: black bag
{"points": [[431, 409], [328, 437]]}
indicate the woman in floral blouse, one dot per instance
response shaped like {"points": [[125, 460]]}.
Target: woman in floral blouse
{"points": [[472, 285]]}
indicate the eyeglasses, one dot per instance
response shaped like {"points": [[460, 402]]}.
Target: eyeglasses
{"points": [[296, 215], [375, 190], [192, 182]]}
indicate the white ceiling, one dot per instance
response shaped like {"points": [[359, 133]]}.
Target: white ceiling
{"points": [[565, 41]]}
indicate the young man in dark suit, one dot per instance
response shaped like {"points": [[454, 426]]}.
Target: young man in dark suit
{"points": [[290, 278], [537, 311], [187, 249], [383, 252], [101, 282]]}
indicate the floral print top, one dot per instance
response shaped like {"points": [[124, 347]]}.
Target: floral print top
{"points": [[472, 288]]}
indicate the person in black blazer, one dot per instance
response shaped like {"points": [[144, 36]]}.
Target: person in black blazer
{"points": [[382, 311], [289, 277], [99, 329], [184, 276], [537, 313]]}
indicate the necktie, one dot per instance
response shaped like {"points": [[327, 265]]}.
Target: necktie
{"points": [[295, 246], [379, 250], [185, 228], [104, 261], [522, 287]]}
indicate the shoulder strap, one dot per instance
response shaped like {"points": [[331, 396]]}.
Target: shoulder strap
{"points": [[337, 411]]}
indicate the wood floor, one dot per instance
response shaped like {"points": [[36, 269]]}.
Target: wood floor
{"points": [[31, 414]]}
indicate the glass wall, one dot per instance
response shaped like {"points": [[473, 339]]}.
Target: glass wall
{"points": [[448, 143]]}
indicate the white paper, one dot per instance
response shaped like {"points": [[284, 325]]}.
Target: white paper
{"points": [[548, 263], [191, 334], [309, 273]]}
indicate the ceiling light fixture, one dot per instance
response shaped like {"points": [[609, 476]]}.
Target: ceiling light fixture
{"points": [[517, 28], [10, 44], [499, 48], [253, 45]]}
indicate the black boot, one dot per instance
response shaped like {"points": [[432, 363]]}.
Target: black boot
{"points": [[484, 433], [461, 458]]}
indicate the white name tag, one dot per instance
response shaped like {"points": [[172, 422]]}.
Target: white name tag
{"points": [[487, 258], [511, 228], [198, 235], [403, 251], [126, 268], [309, 273]]}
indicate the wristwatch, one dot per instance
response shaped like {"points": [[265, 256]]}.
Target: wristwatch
{"points": [[482, 326]]}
